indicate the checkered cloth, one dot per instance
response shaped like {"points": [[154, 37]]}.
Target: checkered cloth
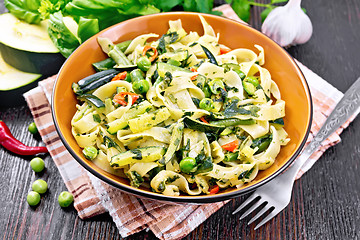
{"points": [[132, 214]]}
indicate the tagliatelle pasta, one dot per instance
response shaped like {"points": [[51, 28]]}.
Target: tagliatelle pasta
{"points": [[182, 114]]}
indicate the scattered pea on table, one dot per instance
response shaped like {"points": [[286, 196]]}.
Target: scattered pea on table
{"points": [[39, 186], [65, 199], [32, 128], [37, 164], [33, 198]]}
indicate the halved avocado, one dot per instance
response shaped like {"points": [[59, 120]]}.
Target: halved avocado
{"points": [[13, 83], [28, 47]]}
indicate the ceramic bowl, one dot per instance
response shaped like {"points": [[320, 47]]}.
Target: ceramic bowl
{"points": [[293, 87]]}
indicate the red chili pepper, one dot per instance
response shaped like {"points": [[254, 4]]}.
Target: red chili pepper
{"points": [[120, 97], [215, 189], [146, 53], [120, 76], [231, 146], [8, 141], [193, 70]]}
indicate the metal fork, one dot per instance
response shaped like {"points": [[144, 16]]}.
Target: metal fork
{"points": [[276, 194]]}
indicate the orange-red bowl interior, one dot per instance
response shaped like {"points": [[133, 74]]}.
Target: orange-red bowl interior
{"points": [[284, 71]]}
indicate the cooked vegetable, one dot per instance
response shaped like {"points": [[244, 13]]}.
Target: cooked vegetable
{"points": [[39, 186], [105, 64], [250, 84], [209, 55], [120, 97], [201, 126], [33, 198], [175, 142], [148, 120], [232, 122], [94, 100], [37, 164], [143, 63], [141, 86], [206, 104], [133, 112], [231, 146], [187, 164], [90, 152], [261, 143], [150, 53], [65, 199], [146, 154], [215, 189], [8, 141]]}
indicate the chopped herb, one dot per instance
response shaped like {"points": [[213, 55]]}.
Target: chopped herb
{"points": [[96, 118]]}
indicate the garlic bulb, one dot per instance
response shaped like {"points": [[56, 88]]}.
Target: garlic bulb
{"points": [[288, 25]]}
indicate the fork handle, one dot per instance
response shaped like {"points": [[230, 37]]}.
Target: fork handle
{"points": [[348, 106]]}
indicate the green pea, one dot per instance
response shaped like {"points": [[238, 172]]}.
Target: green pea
{"points": [[37, 164], [33, 198], [187, 164], [174, 62], [141, 86], [128, 77], [206, 104], [207, 91], [90, 152], [143, 63], [253, 80], [65, 199], [39, 186], [32, 128], [136, 75], [215, 85]]}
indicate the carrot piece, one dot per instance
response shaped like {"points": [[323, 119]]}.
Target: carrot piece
{"points": [[231, 146], [193, 70], [120, 76], [224, 50], [204, 120], [214, 190], [194, 77], [146, 52], [120, 97]]}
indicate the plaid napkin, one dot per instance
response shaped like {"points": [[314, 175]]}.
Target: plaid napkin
{"points": [[132, 214]]}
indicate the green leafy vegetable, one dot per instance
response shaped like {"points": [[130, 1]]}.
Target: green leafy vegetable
{"points": [[24, 9], [87, 28], [61, 36]]}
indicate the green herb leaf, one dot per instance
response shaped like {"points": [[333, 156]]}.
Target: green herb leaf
{"points": [[242, 9]]}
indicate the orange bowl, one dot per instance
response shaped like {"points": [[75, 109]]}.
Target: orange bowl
{"points": [[283, 69]]}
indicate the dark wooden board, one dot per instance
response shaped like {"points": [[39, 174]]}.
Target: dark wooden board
{"points": [[325, 203]]}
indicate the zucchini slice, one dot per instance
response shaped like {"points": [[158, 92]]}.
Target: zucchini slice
{"points": [[145, 154], [201, 126], [28, 47], [13, 83]]}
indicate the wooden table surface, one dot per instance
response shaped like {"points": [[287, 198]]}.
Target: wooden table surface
{"points": [[325, 202]]}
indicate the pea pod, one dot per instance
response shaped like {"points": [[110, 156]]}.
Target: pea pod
{"points": [[103, 65], [262, 143], [232, 122]]}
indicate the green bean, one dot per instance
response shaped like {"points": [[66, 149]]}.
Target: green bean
{"points": [[136, 75], [232, 122], [143, 63]]}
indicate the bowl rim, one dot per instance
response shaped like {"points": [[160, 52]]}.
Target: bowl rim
{"points": [[199, 199]]}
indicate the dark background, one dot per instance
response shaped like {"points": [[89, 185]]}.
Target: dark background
{"points": [[325, 203]]}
